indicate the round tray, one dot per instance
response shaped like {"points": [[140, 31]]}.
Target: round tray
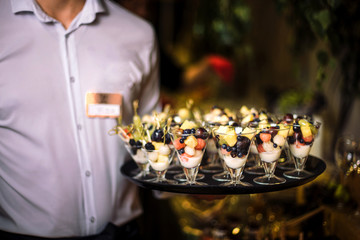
{"points": [[314, 165]]}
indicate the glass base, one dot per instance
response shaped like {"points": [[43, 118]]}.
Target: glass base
{"points": [[163, 181], [224, 177], [211, 168], [194, 183], [256, 170], [234, 184], [297, 174], [145, 176], [266, 180], [287, 165], [181, 177]]}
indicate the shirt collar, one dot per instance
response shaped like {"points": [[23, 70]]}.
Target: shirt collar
{"points": [[87, 15]]}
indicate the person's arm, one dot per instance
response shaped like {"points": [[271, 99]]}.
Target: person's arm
{"points": [[149, 98]]}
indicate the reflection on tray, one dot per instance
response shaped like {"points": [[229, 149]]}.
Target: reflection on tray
{"points": [[314, 165]]}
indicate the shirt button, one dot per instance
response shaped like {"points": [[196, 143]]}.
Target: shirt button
{"points": [[79, 126], [72, 79], [88, 173], [92, 219]]}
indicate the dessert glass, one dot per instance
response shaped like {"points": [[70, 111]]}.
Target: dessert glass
{"points": [[160, 161], [190, 147], [234, 145], [300, 140], [269, 142]]}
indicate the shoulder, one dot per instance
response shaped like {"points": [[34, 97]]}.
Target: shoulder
{"points": [[128, 23]]}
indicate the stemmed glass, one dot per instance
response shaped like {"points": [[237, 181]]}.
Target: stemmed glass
{"points": [[287, 163], [190, 143], [257, 168], [300, 140], [213, 164], [135, 148], [269, 142], [235, 146], [160, 161], [137, 154]]}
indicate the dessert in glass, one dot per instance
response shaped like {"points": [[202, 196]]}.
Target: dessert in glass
{"points": [[269, 143], [216, 117], [133, 142], [235, 144], [300, 140], [189, 141], [256, 167], [159, 156], [287, 163]]}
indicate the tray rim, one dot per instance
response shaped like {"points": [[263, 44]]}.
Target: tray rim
{"points": [[318, 169]]}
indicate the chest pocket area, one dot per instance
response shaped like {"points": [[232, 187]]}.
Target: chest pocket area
{"points": [[124, 75]]}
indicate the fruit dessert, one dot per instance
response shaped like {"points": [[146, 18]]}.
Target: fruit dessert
{"points": [[301, 137], [158, 148], [234, 144], [270, 141], [253, 116], [189, 140], [219, 116], [133, 136]]}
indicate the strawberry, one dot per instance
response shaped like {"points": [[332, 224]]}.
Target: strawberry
{"points": [[308, 139], [200, 144], [265, 137], [185, 157], [260, 148], [224, 152], [178, 145]]}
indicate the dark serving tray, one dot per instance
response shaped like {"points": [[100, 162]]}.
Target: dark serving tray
{"points": [[314, 165]]}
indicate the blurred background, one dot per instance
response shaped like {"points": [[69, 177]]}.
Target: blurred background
{"points": [[279, 55]]}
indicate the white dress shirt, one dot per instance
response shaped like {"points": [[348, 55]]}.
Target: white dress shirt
{"points": [[60, 170]]}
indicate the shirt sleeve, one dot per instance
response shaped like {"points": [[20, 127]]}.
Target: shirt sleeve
{"points": [[149, 98]]}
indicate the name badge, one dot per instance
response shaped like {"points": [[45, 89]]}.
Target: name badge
{"points": [[103, 105]]}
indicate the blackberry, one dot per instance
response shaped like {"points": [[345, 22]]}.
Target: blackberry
{"points": [[149, 146], [233, 154], [181, 151], [132, 142], [291, 139], [296, 128], [187, 131], [138, 144], [157, 135], [167, 138]]}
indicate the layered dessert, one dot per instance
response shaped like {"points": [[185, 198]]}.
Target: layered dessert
{"points": [[301, 138], [270, 142], [158, 149], [234, 144], [190, 143]]}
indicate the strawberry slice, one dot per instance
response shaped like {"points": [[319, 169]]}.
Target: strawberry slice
{"points": [[224, 152], [178, 145], [265, 137], [200, 144], [308, 139], [260, 148], [185, 157]]}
